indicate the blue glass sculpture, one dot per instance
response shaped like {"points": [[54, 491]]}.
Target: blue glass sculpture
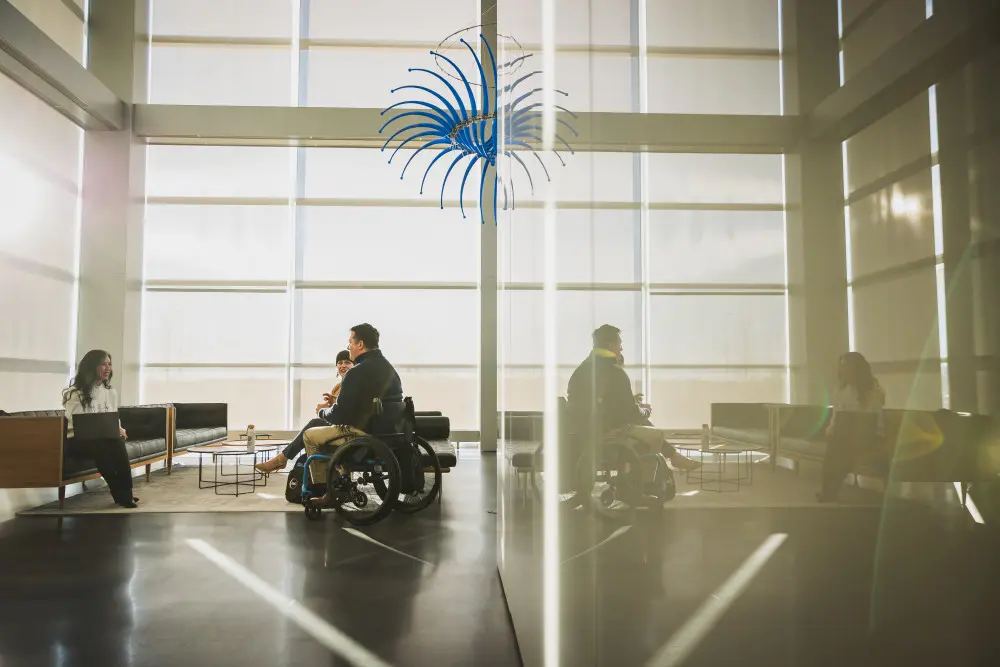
{"points": [[463, 129]]}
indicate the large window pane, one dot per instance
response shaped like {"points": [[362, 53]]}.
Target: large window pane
{"points": [[220, 75], [891, 22], [235, 243], [683, 398], [218, 171], [895, 141], [37, 313], [32, 391], [254, 395], [725, 24], [427, 245], [215, 327], [893, 226], [415, 326], [595, 81], [729, 330], [896, 320], [578, 313], [223, 18], [587, 177], [912, 391], [591, 246], [714, 85], [391, 20], [717, 247], [596, 22], [719, 179]]}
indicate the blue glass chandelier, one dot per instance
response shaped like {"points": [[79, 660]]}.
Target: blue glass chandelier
{"points": [[463, 129]]}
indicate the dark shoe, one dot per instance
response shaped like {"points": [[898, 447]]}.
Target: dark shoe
{"points": [[128, 505]]}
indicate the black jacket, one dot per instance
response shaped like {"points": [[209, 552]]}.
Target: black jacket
{"points": [[371, 377], [600, 397]]}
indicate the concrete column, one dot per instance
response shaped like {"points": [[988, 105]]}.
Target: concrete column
{"points": [[814, 189], [488, 368], [113, 191]]}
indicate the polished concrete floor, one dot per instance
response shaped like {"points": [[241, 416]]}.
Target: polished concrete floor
{"points": [[112, 590], [847, 586]]}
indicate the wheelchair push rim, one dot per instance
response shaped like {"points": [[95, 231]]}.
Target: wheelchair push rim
{"points": [[363, 479]]}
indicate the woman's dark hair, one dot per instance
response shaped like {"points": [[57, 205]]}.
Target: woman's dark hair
{"points": [[343, 355], [366, 334], [86, 376], [858, 374]]}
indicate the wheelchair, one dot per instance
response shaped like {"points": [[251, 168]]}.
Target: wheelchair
{"points": [[605, 478], [372, 475]]}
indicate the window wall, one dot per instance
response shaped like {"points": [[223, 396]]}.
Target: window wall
{"points": [[893, 225], [40, 167]]}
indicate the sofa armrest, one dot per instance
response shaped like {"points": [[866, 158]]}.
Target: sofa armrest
{"points": [[144, 422], [202, 415], [31, 452]]}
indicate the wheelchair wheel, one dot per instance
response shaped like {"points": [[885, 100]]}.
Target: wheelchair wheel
{"points": [[423, 496], [363, 480], [611, 481]]}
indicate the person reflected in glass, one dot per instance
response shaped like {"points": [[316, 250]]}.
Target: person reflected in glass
{"points": [[849, 439], [295, 447], [91, 392], [600, 393]]}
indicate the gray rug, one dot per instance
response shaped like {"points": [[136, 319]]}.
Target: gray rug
{"points": [[177, 492]]}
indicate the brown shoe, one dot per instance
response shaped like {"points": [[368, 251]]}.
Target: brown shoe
{"points": [[683, 463], [271, 465]]}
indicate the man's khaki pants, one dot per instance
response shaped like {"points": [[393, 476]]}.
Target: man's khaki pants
{"points": [[643, 440], [323, 440]]}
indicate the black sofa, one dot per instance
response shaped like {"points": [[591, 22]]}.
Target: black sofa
{"points": [[197, 424], [436, 429]]}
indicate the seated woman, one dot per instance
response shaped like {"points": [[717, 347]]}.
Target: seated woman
{"points": [[91, 392], [859, 391], [344, 364]]}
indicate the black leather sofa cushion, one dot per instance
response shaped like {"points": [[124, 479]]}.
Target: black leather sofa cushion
{"points": [[138, 452], [802, 448], [446, 453], [749, 436], [520, 453], [38, 413], [192, 437], [432, 427]]}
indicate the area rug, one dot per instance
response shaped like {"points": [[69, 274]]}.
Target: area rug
{"points": [[177, 492]]}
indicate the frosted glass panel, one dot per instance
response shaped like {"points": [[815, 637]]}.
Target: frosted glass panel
{"points": [[215, 327], [880, 31], [391, 20], [428, 245], [717, 247], [217, 243], [595, 81], [893, 142], [714, 86], [587, 177], [254, 395], [726, 24], [595, 22], [223, 18], [578, 313], [896, 320], [717, 330], [218, 171], [38, 314], [591, 246], [415, 326], [893, 226], [683, 398], [720, 179], [220, 75], [912, 391]]}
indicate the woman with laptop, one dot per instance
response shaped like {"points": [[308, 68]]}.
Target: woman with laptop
{"points": [[90, 393]]}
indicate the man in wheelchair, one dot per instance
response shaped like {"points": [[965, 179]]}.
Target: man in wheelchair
{"points": [[372, 383], [601, 403]]}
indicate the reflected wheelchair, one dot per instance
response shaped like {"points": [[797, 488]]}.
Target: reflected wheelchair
{"points": [[370, 476], [605, 477]]}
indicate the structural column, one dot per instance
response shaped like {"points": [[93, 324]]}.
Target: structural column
{"points": [[113, 191], [814, 190], [488, 366]]}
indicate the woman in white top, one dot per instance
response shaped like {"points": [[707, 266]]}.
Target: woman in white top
{"points": [[859, 392], [91, 392]]}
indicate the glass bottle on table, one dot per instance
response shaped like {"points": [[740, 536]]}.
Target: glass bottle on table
{"points": [[251, 439]]}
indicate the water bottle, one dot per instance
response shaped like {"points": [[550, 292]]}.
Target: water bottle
{"points": [[705, 437], [251, 439]]}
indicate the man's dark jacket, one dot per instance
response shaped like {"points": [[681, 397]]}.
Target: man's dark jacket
{"points": [[600, 397], [371, 377]]}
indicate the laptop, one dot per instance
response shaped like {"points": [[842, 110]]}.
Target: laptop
{"points": [[96, 425]]}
